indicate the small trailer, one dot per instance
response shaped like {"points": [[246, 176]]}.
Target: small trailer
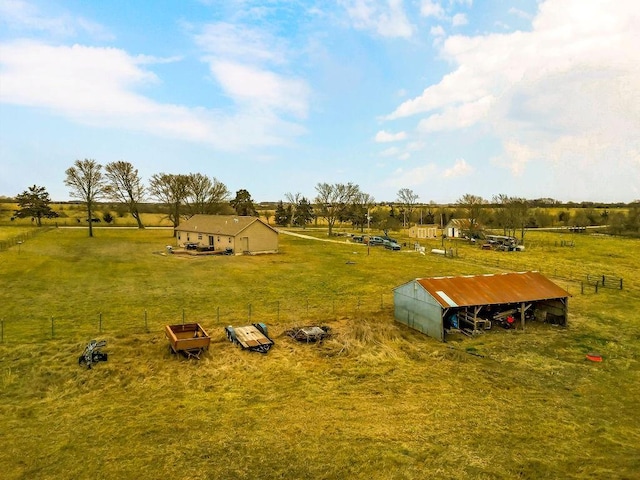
{"points": [[190, 339], [252, 337]]}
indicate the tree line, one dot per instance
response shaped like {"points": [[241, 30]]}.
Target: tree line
{"points": [[184, 195]]}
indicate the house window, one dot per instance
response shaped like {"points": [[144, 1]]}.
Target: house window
{"points": [[199, 236], [178, 235], [229, 239]]}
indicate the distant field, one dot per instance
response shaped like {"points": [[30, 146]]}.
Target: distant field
{"points": [[376, 401]]}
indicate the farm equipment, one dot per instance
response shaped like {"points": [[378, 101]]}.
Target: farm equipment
{"points": [[251, 337], [92, 353], [190, 339], [309, 333]]}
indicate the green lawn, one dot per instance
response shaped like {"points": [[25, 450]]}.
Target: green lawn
{"points": [[377, 400]]}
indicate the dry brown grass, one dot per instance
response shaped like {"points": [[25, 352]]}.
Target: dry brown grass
{"points": [[376, 400]]}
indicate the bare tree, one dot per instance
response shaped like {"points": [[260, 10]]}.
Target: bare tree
{"points": [[362, 204], [293, 200], [333, 201], [205, 195], [125, 186], [512, 214], [171, 190], [407, 198], [87, 183], [473, 206]]}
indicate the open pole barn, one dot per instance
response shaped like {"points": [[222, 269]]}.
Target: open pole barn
{"points": [[473, 303]]}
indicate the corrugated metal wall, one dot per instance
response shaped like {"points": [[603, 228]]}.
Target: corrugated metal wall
{"points": [[414, 307]]}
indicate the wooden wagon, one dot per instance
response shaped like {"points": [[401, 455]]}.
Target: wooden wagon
{"points": [[190, 339], [251, 337]]}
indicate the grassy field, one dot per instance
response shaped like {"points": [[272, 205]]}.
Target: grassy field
{"points": [[377, 400]]}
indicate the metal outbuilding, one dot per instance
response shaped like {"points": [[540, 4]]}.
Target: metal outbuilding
{"points": [[435, 305]]}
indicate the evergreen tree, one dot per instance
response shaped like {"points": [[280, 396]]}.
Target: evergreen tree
{"points": [[282, 216], [304, 213], [243, 204], [34, 203]]}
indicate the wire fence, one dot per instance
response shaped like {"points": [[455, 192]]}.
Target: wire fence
{"points": [[283, 314], [583, 282], [18, 240]]}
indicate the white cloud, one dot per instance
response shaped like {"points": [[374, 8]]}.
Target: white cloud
{"points": [[98, 86], [385, 17], [430, 8], [260, 88], [391, 152], [437, 31], [515, 157], [245, 62], [405, 178], [460, 169], [383, 136], [567, 89], [459, 19], [21, 15], [520, 13], [457, 116], [241, 43]]}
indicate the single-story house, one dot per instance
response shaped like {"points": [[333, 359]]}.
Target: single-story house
{"points": [[231, 233], [435, 305], [459, 227], [423, 231]]}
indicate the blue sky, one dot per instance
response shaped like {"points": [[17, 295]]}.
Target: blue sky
{"points": [[445, 97]]}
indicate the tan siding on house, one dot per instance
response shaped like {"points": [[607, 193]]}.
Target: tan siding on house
{"points": [[241, 234]]}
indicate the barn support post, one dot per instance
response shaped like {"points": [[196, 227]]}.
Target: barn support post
{"points": [[522, 315]]}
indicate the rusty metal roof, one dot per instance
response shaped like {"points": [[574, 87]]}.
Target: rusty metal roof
{"points": [[491, 289]]}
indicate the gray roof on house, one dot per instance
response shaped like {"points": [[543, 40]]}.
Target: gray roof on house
{"points": [[230, 225]]}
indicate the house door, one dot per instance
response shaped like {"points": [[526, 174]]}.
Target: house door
{"points": [[210, 240], [245, 244]]}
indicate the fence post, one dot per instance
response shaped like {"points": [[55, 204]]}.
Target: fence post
{"points": [[582, 288], [620, 284], [603, 280], [596, 287], [100, 323]]}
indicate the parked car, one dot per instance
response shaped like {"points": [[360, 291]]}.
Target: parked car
{"points": [[391, 245], [373, 241]]}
